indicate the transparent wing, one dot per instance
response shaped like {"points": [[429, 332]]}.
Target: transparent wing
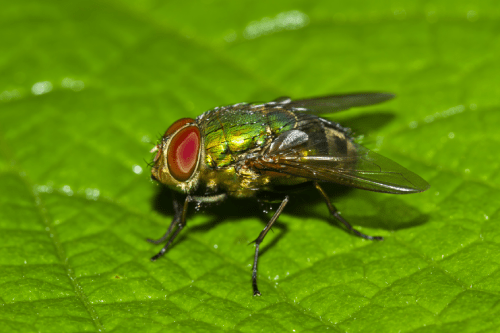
{"points": [[365, 170], [334, 103]]}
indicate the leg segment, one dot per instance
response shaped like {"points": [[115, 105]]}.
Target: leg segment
{"points": [[177, 218], [336, 214], [180, 220], [180, 224], [259, 239]]}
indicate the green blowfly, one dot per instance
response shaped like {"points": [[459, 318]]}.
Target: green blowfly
{"points": [[258, 150]]}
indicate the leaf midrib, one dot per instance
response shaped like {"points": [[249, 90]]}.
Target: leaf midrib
{"points": [[61, 255]]}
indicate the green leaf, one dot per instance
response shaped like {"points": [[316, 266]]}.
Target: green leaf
{"points": [[86, 88]]}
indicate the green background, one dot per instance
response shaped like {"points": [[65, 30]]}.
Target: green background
{"points": [[87, 87]]}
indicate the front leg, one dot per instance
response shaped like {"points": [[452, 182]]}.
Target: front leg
{"points": [[179, 219], [180, 222]]}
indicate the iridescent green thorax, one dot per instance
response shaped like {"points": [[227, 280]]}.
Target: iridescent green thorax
{"points": [[230, 132]]}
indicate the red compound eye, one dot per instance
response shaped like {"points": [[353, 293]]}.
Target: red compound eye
{"points": [[178, 124], [183, 152]]}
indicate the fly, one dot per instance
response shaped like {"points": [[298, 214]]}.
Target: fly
{"points": [[252, 150]]}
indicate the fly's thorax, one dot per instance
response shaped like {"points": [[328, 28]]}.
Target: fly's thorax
{"points": [[179, 156], [238, 180], [232, 132], [219, 180]]}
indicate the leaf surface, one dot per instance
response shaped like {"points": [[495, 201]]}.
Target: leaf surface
{"points": [[86, 89]]}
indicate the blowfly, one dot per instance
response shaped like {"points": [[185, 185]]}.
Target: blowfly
{"points": [[252, 150]]}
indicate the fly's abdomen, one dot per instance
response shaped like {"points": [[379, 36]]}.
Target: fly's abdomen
{"points": [[232, 132]]}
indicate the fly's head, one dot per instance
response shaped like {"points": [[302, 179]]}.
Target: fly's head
{"points": [[178, 156]]}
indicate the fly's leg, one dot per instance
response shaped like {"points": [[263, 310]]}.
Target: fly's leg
{"points": [[259, 239], [180, 219], [336, 214], [180, 225], [175, 220]]}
